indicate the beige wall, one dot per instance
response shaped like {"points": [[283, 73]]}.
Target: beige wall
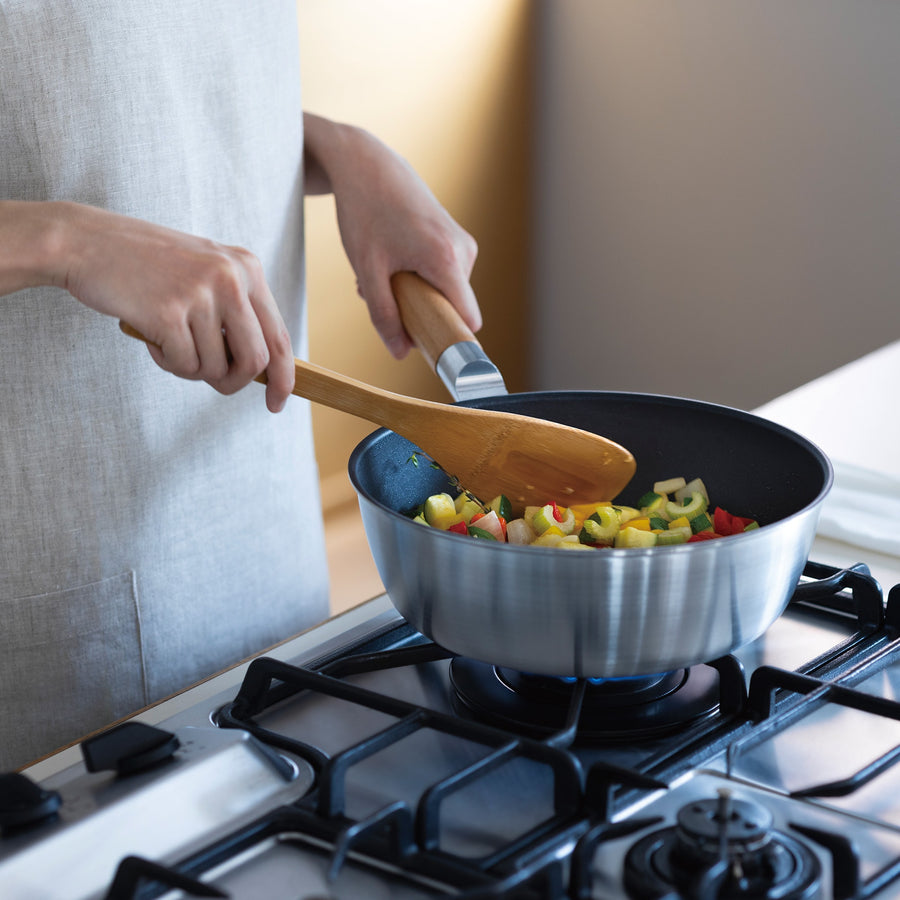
{"points": [[446, 84], [718, 208]]}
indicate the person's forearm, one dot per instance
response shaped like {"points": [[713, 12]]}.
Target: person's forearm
{"points": [[389, 222], [183, 292], [32, 244], [328, 148]]}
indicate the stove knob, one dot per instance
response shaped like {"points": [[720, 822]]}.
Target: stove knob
{"points": [[23, 803], [128, 748]]}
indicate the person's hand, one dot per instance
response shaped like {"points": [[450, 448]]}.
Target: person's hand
{"points": [[389, 222], [205, 308]]}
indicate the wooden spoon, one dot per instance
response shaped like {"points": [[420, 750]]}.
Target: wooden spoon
{"points": [[530, 460]]}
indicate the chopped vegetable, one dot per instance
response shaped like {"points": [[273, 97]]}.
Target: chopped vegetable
{"points": [[553, 515], [678, 535], [669, 486], [501, 505], [651, 500], [519, 532], [491, 523], [695, 486], [726, 523], [440, 511], [675, 512], [689, 507], [600, 528], [701, 523], [635, 537]]}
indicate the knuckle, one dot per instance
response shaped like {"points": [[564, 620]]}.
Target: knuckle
{"points": [[470, 249], [243, 260], [280, 342], [444, 251], [215, 371], [226, 388], [227, 280], [251, 361]]}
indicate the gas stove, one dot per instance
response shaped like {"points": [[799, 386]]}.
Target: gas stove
{"points": [[364, 761]]}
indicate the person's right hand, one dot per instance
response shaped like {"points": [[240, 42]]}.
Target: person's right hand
{"points": [[206, 308]]}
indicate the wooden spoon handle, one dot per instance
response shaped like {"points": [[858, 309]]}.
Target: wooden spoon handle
{"points": [[337, 391], [428, 316]]}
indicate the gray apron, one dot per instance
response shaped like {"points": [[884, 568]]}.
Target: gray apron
{"points": [[152, 531]]}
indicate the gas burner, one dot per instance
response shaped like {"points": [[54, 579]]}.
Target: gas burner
{"points": [[614, 709], [723, 848]]}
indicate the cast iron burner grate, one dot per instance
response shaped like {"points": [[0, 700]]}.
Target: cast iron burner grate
{"points": [[614, 709]]}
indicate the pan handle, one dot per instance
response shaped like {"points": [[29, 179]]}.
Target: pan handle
{"points": [[444, 339]]}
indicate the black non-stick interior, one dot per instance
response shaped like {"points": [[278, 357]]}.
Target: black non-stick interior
{"points": [[751, 466]]}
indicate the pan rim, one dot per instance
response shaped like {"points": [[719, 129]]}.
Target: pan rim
{"points": [[827, 469]]}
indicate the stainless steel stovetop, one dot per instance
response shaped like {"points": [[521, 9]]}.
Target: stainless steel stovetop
{"points": [[371, 764]]}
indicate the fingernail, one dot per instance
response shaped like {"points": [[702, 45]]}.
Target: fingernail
{"points": [[398, 348]]}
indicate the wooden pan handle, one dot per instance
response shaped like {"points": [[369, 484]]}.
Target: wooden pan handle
{"points": [[428, 316]]}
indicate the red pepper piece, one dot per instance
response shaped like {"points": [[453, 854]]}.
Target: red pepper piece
{"points": [[723, 521], [557, 514], [703, 536], [459, 528]]}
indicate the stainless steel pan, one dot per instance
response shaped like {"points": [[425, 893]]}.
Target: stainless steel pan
{"points": [[608, 612]]}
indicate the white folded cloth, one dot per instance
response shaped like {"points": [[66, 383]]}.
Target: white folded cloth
{"points": [[851, 414], [860, 509]]}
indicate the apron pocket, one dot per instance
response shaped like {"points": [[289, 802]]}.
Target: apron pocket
{"points": [[70, 663]]}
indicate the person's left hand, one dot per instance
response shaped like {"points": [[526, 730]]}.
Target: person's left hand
{"points": [[389, 222]]}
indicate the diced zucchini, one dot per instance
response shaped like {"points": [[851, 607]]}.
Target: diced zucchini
{"points": [[501, 505], [669, 486], [420, 518], [468, 509], [635, 537], [656, 506], [701, 523], [751, 526], [658, 524], [440, 511], [650, 499]]}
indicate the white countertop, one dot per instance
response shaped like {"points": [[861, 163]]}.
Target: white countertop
{"points": [[850, 414]]}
